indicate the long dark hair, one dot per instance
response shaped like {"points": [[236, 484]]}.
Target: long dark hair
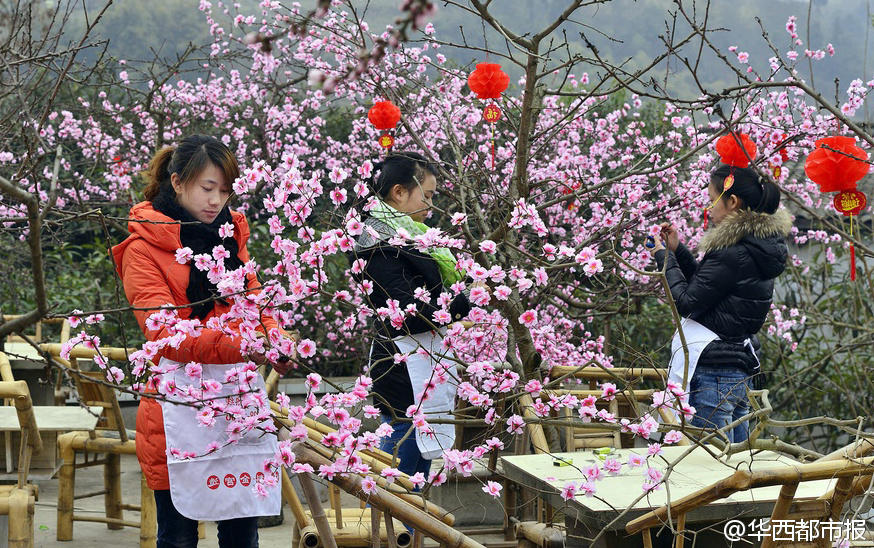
{"points": [[190, 157], [400, 168], [193, 154], [756, 193]]}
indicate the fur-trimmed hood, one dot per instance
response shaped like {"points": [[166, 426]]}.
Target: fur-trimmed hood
{"points": [[742, 223], [761, 234]]}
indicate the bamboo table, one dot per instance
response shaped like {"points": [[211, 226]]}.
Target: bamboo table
{"points": [[50, 420], [586, 516]]}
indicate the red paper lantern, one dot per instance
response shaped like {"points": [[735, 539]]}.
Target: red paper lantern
{"points": [[839, 169], [488, 81], [730, 151], [384, 115], [837, 164]]}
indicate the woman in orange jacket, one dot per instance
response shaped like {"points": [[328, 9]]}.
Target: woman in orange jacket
{"points": [[187, 207]]}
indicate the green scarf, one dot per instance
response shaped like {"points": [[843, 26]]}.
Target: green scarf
{"points": [[442, 256]]}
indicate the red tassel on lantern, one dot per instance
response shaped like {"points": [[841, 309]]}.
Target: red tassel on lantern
{"points": [[384, 115], [850, 203], [839, 170], [488, 81]]}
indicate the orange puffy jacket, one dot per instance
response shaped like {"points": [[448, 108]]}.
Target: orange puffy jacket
{"points": [[146, 262]]}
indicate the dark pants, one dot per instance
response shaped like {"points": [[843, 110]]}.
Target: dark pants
{"points": [[408, 451], [177, 531], [719, 396]]}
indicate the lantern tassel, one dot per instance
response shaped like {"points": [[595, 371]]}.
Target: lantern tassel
{"points": [[852, 253], [493, 147], [852, 262], [706, 218]]}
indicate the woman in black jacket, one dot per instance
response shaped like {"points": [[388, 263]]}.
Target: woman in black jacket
{"points": [[410, 313], [727, 296]]}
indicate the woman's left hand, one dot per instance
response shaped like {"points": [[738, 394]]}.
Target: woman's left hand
{"points": [[285, 362], [657, 244]]}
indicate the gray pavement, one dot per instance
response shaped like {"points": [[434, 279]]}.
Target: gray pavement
{"points": [[88, 534]]}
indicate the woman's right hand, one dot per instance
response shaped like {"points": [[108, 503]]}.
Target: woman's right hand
{"points": [[481, 284], [670, 236]]}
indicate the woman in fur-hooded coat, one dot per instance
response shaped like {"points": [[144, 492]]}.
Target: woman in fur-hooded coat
{"points": [[730, 290]]}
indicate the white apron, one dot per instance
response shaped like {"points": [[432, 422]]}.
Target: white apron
{"points": [[220, 485], [441, 403], [697, 338]]}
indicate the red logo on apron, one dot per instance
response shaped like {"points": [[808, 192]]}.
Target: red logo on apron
{"points": [[230, 480], [245, 479], [213, 482]]}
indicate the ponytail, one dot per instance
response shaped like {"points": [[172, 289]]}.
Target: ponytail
{"points": [[770, 196], [756, 192], [158, 174], [400, 168]]}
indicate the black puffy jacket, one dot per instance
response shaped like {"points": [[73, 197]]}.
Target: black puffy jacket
{"points": [[730, 290], [396, 273]]}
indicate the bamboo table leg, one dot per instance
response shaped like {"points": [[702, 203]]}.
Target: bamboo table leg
{"points": [[647, 538], [20, 519], [681, 526], [290, 496], [112, 484], [316, 510], [390, 530], [374, 527], [148, 516], [66, 484]]}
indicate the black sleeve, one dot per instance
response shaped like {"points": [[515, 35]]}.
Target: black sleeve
{"points": [[390, 281], [711, 282], [686, 260]]}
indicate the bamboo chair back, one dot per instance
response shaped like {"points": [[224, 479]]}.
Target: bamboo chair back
{"points": [[90, 385], [60, 392], [18, 394], [626, 404], [38, 328]]}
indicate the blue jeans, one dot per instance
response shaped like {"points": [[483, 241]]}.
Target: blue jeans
{"points": [[177, 531], [719, 396], [408, 452]]}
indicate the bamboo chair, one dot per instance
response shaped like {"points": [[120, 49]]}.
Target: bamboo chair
{"points": [[849, 466], [112, 440], [349, 526], [626, 404], [352, 526], [18, 500], [61, 392]]}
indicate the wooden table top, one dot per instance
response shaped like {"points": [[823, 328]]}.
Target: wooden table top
{"points": [[696, 470], [52, 418], [21, 351]]}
